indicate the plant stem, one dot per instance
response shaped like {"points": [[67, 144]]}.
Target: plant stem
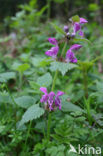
{"points": [[49, 126], [49, 116], [85, 82], [87, 103], [63, 50], [54, 80]]}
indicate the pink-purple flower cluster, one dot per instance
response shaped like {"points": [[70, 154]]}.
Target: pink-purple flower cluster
{"points": [[51, 100], [76, 27], [70, 56]]}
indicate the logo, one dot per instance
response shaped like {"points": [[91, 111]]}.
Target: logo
{"points": [[72, 149], [85, 149]]}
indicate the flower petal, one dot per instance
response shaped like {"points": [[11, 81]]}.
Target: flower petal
{"points": [[58, 102], [83, 20], [75, 47], [60, 93], [43, 89], [44, 98], [81, 33], [53, 41], [70, 57], [66, 28], [52, 52], [77, 27], [51, 100]]}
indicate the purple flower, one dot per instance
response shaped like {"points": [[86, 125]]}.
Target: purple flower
{"points": [[70, 56], [81, 33], [58, 100], [45, 96], [54, 50], [53, 41], [75, 47], [77, 26], [83, 20], [52, 100], [66, 28]]}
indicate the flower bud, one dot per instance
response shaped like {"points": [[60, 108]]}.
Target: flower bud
{"points": [[66, 28]]}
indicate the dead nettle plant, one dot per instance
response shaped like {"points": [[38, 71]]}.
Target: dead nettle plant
{"points": [[62, 61]]}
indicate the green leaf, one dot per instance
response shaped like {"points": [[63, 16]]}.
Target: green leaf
{"points": [[32, 112], [62, 67], [25, 101], [56, 150], [7, 76], [81, 40], [70, 107], [58, 29], [5, 98], [45, 80], [23, 67], [99, 87], [36, 61], [76, 18], [45, 62]]}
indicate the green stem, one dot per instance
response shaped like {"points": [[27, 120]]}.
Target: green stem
{"points": [[49, 126], [87, 103], [85, 82], [63, 50], [49, 116], [54, 80]]}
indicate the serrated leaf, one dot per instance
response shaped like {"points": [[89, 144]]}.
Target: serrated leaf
{"points": [[25, 101], [45, 62], [45, 80], [81, 40], [76, 18], [36, 61], [32, 112], [7, 76], [62, 67], [58, 29], [70, 107]]}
